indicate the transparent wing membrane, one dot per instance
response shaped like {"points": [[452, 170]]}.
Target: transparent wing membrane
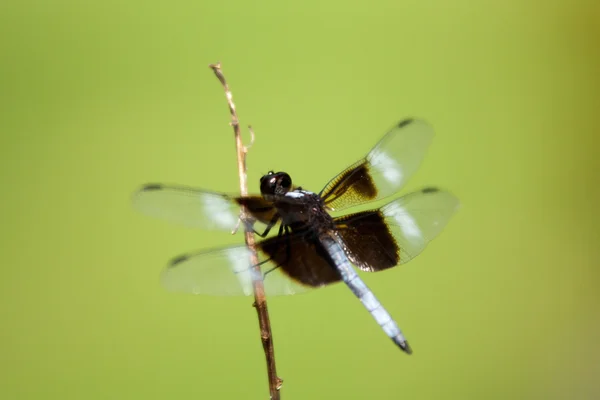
{"points": [[417, 218], [225, 272], [399, 231], [385, 170], [195, 208]]}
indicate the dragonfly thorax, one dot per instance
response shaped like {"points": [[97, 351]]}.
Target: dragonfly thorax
{"points": [[303, 210]]}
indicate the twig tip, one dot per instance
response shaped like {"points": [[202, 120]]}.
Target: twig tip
{"points": [[216, 65]]}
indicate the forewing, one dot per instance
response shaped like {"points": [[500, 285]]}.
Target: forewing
{"points": [[397, 232], [385, 170], [198, 208]]}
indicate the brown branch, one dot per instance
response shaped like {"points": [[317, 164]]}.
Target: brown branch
{"points": [[260, 302]]}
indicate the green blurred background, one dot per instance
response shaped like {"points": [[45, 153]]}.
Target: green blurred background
{"points": [[100, 97]]}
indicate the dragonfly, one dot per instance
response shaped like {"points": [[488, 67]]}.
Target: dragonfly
{"points": [[303, 246]]}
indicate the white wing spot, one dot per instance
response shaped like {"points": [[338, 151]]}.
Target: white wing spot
{"points": [[388, 167], [240, 266], [217, 210], [406, 222]]}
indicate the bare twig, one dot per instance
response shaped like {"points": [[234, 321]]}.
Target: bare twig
{"points": [[260, 302]]}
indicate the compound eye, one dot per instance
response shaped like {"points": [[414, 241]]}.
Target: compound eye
{"points": [[285, 181], [268, 184]]}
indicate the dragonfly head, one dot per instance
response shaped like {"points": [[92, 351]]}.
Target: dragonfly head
{"points": [[275, 183]]}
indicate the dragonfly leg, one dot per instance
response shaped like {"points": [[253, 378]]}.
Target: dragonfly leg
{"points": [[269, 227], [260, 263], [288, 251]]}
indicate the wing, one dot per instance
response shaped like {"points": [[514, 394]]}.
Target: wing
{"points": [[198, 208], [397, 232], [370, 245], [386, 168], [287, 265], [301, 260]]}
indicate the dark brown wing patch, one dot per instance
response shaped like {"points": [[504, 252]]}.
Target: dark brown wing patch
{"points": [[369, 243], [261, 209], [353, 186], [300, 260]]}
